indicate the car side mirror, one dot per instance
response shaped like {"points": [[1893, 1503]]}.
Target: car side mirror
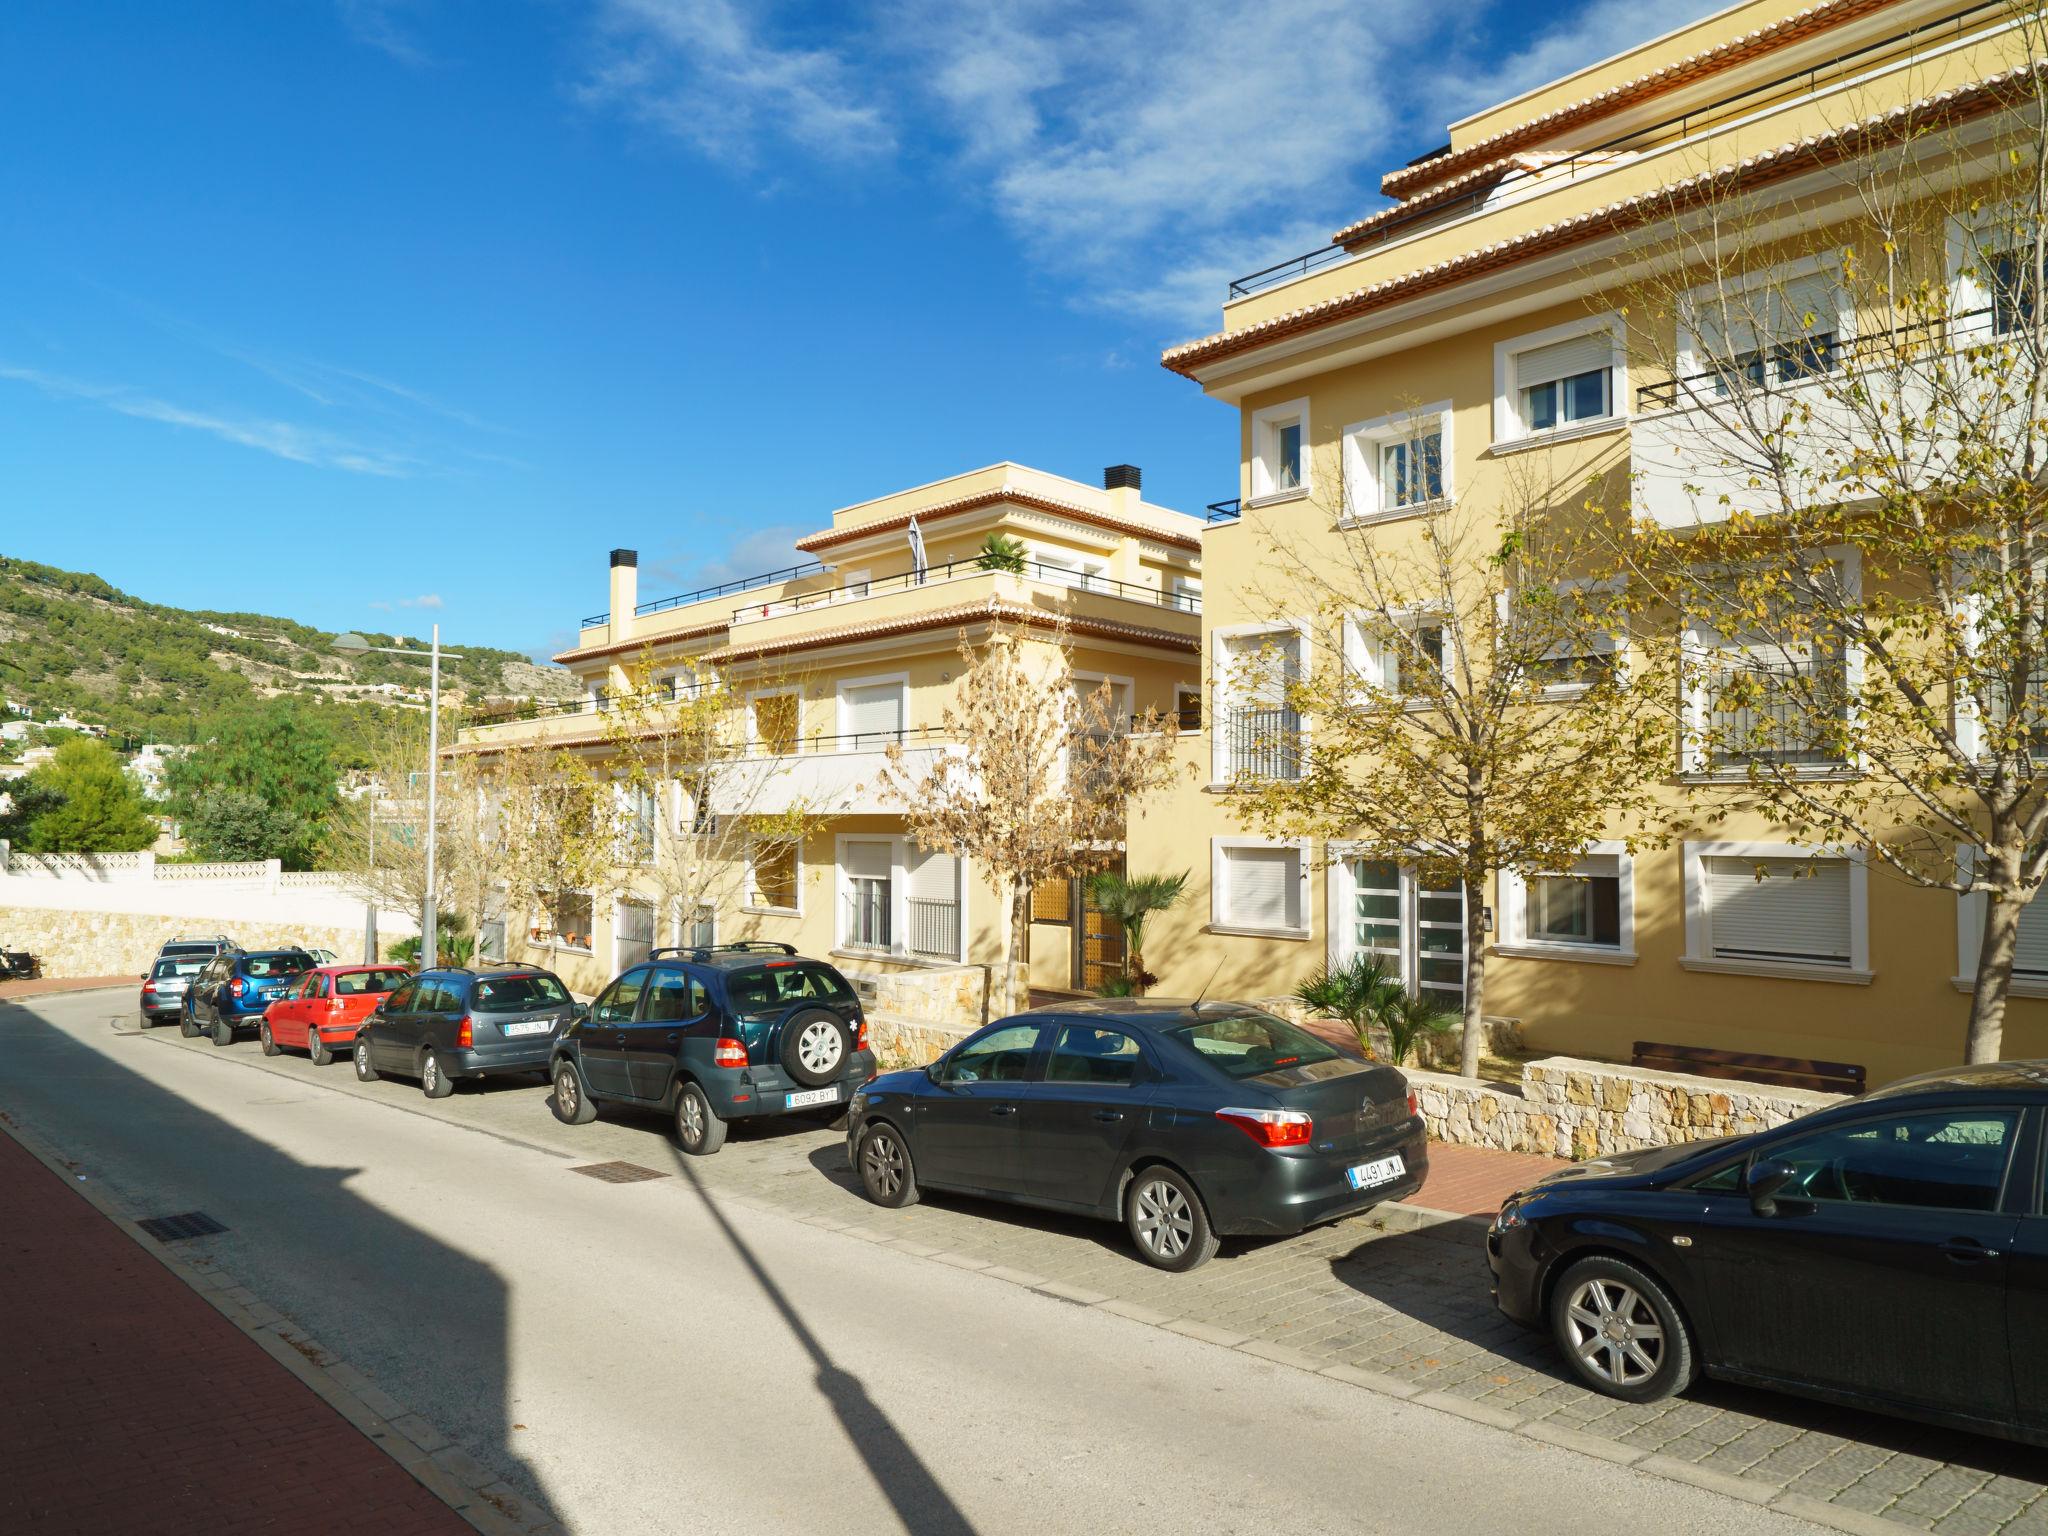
{"points": [[1766, 1179], [931, 1068]]}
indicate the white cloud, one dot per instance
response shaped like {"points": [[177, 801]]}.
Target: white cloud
{"points": [[424, 600], [1591, 33], [769, 548], [283, 439], [375, 23]]}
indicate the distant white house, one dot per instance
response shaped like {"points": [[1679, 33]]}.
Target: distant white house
{"points": [[151, 762]]}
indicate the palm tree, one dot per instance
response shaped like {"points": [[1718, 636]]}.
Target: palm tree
{"points": [[1131, 899], [1409, 1016], [1360, 992], [1000, 552]]}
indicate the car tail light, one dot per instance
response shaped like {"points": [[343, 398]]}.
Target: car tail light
{"points": [[464, 1036], [1271, 1127], [238, 986], [1414, 1104], [860, 1035], [729, 1052], [149, 990]]}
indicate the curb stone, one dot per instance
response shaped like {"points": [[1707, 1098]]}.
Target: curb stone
{"points": [[313, 1365]]}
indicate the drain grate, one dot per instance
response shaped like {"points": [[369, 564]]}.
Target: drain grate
{"points": [[618, 1173], [170, 1229]]}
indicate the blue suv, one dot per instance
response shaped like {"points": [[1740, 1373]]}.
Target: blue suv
{"points": [[231, 994], [713, 1035]]}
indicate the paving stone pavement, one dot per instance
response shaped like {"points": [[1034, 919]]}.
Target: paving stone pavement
{"points": [[1376, 1299]]}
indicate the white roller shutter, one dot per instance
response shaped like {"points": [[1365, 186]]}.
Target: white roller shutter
{"points": [[874, 710], [1798, 911], [1814, 295], [1262, 887], [1563, 359], [866, 861], [2031, 956], [933, 876]]}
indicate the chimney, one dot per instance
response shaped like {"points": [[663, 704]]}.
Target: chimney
{"points": [[1123, 482], [625, 591]]}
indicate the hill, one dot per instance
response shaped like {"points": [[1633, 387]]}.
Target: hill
{"points": [[70, 641]]}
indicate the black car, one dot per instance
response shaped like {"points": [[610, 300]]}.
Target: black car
{"points": [[452, 1023], [1887, 1253], [1187, 1121], [230, 994], [713, 1035]]}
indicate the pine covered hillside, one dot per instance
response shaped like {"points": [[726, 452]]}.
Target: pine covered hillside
{"points": [[69, 641]]}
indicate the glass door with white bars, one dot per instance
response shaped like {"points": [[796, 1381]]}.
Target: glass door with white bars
{"points": [[1416, 930], [867, 894], [932, 904]]}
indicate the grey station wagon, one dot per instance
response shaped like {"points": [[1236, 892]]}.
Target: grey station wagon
{"points": [[448, 1024]]}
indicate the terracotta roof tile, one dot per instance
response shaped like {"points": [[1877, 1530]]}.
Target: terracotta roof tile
{"points": [[834, 537], [992, 610], [642, 642]]}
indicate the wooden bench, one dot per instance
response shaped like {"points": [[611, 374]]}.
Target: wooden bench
{"points": [[1779, 1071]]}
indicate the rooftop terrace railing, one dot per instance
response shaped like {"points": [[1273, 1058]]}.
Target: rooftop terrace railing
{"points": [[961, 570], [608, 701], [1884, 50]]}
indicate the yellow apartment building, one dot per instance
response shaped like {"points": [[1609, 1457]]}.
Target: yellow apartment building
{"points": [[834, 659], [1473, 326]]}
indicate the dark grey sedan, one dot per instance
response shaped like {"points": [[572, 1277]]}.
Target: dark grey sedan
{"points": [[1186, 1121]]}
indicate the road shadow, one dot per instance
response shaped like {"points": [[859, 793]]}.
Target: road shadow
{"points": [[1439, 1277], [271, 1201], [920, 1502]]}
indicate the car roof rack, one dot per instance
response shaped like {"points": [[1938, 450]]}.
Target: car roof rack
{"points": [[743, 947], [199, 938], [506, 965]]}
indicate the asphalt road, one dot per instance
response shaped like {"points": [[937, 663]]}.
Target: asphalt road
{"points": [[647, 1357]]}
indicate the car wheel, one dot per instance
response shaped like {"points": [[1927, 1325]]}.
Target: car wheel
{"points": [[263, 1038], [188, 1026], [223, 1032], [1621, 1332], [699, 1131], [814, 1048], [571, 1104], [434, 1082], [886, 1172], [317, 1048], [1167, 1222], [365, 1072]]}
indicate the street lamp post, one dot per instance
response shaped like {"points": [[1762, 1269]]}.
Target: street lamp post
{"points": [[356, 645]]}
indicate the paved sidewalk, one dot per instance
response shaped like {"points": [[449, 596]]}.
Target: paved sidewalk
{"points": [[131, 1405], [1473, 1181], [45, 985]]}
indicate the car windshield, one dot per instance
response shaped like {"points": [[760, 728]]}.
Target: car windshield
{"points": [[507, 994], [291, 964], [355, 983], [758, 994], [165, 968], [1248, 1044]]}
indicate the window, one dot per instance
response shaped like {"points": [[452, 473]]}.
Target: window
{"points": [[1185, 593], [632, 933], [1941, 1160], [2030, 952], [490, 939], [1398, 663], [776, 722], [636, 814], [1584, 912], [675, 997], [781, 984], [1101, 1058], [401, 1000], [1003, 1055], [1776, 908], [356, 983], [1280, 450], [1259, 731], [2013, 292], [1417, 930], [1187, 708], [1251, 1044], [699, 931], [512, 994], [1564, 377], [867, 878], [1412, 471], [616, 1003], [1258, 888], [566, 921], [1397, 463], [772, 876], [871, 714], [1775, 328], [1066, 566], [932, 904]]}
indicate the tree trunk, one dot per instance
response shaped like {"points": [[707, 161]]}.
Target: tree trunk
{"points": [[2002, 907], [1019, 979], [1475, 981]]}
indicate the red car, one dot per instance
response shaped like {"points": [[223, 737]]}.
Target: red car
{"points": [[326, 1008]]}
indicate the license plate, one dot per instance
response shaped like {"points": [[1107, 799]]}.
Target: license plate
{"points": [[812, 1096], [1371, 1175], [529, 1027]]}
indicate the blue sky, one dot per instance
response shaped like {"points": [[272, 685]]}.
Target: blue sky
{"points": [[372, 312]]}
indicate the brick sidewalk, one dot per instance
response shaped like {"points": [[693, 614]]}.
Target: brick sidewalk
{"points": [[48, 984], [131, 1405], [1473, 1181]]}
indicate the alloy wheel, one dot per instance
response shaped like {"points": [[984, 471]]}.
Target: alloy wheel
{"points": [[819, 1048], [1164, 1221], [690, 1119], [1614, 1331], [882, 1164], [565, 1090], [430, 1074]]}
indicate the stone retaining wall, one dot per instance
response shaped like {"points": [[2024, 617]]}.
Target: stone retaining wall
{"points": [[898, 1041], [1579, 1109], [123, 943]]}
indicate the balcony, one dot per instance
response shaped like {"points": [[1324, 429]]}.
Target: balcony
{"points": [[1774, 715], [1035, 578], [825, 775]]}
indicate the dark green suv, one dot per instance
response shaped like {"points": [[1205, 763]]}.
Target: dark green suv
{"points": [[713, 1035]]}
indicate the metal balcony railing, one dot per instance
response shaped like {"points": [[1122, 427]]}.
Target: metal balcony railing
{"points": [[1775, 713], [934, 928], [965, 569], [1261, 742]]}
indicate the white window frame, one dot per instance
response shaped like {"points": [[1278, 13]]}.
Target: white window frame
{"points": [[1180, 691], [1694, 359], [1607, 858], [553, 941], [1223, 693], [760, 908], [1087, 682], [754, 697], [1265, 456], [1073, 567], [1970, 909], [682, 923], [1365, 494], [880, 679], [1699, 922], [842, 885], [624, 794], [1365, 657], [1968, 289], [855, 583], [1508, 428], [1615, 648], [1340, 895], [1218, 847], [1184, 592], [902, 894]]}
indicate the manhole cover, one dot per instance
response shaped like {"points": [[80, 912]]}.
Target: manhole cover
{"points": [[618, 1173], [169, 1229]]}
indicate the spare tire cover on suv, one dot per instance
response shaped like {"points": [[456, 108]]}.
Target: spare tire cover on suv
{"points": [[815, 1046]]}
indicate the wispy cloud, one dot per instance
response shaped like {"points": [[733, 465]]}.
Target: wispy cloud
{"points": [[424, 600], [376, 24], [295, 441], [769, 548]]}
